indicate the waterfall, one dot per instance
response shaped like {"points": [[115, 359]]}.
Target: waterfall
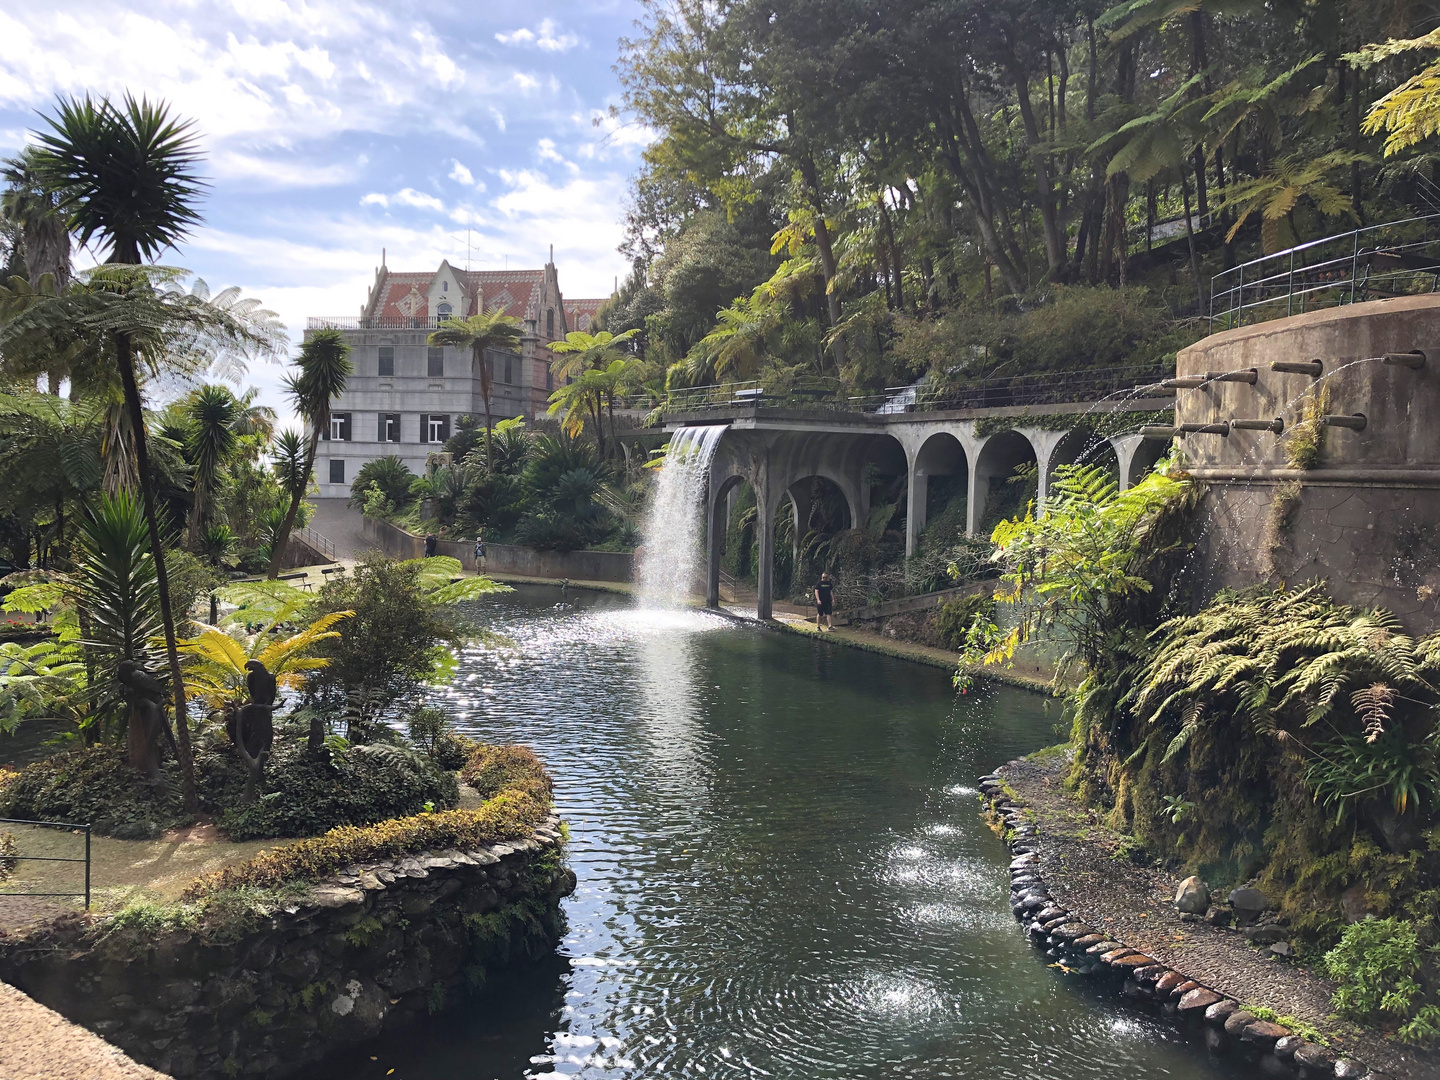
{"points": [[669, 567]]}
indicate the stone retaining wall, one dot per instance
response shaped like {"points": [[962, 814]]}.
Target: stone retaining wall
{"points": [[1068, 939], [513, 559], [371, 948]]}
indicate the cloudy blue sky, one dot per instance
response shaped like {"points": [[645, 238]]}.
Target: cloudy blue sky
{"points": [[336, 128]]}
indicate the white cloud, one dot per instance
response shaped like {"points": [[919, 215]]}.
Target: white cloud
{"points": [[460, 174], [404, 197], [525, 82], [548, 152], [546, 36], [498, 117], [278, 172]]}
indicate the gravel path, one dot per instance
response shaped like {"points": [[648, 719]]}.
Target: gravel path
{"points": [[37, 1043], [1133, 905]]}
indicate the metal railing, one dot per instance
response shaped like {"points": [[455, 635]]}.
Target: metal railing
{"points": [[1041, 388], [69, 827], [316, 540], [1398, 258]]}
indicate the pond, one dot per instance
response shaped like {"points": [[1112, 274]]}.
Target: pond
{"points": [[782, 870]]}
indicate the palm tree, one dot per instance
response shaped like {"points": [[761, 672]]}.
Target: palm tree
{"points": [[32, 207], [324, 363], [211, 414], [126, 176], [485, 330]]}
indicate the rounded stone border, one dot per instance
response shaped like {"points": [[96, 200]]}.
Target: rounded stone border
{"points": [[1067, 939]]}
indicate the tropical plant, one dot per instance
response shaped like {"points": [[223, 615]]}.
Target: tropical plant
{"points": [[390, 474], [1079, 569], [324, 364], [1275, 195], [1410, 113], [43, 232], [126, 176], [47, 678], [217, 671], [591, 396], [1348, 770], [481, 331], [211, 415], [1378, 966]]}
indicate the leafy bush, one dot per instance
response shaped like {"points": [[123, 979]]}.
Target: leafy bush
{"points": [[1352, 768], [511, 812], [306, 794], [492, 769], [430, 730], [1379, 966], [391, 475], [954, 616], [97, 785]]}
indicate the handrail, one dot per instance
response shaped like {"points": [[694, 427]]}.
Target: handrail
{"points": [[318, 541], [68, 825], [1039, 388], [1378, 261]]}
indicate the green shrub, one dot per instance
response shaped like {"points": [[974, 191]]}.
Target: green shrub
{"points": [[508, 814], [1378, 965], [954, 616], [452, 751], [430, 731], [492, 769], [97, 785], [307, 794]]}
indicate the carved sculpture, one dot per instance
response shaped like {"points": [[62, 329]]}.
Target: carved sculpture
{"points": [[251, 728], [145, 699]]}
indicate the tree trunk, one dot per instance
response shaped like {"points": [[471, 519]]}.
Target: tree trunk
{"points": [[1055, 244], [485, 397], [296, 497], [126, 363], [1190, 238]]}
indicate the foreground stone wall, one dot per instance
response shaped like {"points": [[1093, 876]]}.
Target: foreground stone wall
{"points": [[1366, 517], [369, 949]]}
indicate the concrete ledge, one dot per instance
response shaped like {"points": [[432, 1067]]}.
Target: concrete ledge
{"points": [[37, 1043]]}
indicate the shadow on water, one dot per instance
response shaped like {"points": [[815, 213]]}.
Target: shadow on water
{"points": [[782, 871]]}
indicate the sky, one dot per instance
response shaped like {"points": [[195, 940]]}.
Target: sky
{"points": [[333, 129]]}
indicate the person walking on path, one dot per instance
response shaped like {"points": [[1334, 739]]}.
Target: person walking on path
{"points": [[479, 553], [825, 601], [431, 540]]}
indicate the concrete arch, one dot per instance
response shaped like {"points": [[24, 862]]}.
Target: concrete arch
{"points": [[939, 453], [997, 458], [1137, 455]]}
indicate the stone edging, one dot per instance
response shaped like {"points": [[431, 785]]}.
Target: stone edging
{"points": [[1067, 938]]}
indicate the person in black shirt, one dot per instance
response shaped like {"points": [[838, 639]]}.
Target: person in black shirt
{"points": [[431, 540], [825, 601]]}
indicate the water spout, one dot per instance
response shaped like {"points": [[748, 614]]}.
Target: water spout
{"points": [[1298, 367], [668, 565]]}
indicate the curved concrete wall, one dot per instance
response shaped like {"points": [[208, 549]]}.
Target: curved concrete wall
{"points": [[1365, 518]]}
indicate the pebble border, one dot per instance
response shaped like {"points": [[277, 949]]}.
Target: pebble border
{"points": [[1068, 939]]}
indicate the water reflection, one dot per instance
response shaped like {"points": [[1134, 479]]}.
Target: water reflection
{"points": [[781, 869]]}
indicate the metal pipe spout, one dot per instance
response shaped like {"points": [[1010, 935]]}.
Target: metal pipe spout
{"points": [[1355, 422], [1184, 382], [1157, 431], [1413, 360], [1242, 375], [1298, 367], [1277, 425], [1204, 429]]}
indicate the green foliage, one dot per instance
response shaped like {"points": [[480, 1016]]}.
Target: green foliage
{"points": [[435, 999], [1352, 768], [1378, 966], [305, 795], [360, 935], [96, 785], [954, 617], [430, 730], [507, 814], [390, 475]]}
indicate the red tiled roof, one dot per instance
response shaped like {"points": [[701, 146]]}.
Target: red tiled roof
{"points": [[516, 292], [580, 313]]}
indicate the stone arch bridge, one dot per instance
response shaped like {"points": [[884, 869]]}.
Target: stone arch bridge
{"points": [[778, 451]]}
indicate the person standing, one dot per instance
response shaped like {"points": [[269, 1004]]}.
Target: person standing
{"points": [[825, 601], [431, 540], [479, 553]]}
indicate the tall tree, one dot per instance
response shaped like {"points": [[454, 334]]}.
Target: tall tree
{"points": [[481, 331], [324, 364], [43, 235], [126, 176], [211, 415]]}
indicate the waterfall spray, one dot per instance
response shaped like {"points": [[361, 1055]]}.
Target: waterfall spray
{"points": [[668, 571]]}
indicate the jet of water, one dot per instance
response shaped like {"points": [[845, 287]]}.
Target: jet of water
{"points": [[672, 553]]}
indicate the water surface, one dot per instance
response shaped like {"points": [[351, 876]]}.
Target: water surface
{"points": [[781, 868]]}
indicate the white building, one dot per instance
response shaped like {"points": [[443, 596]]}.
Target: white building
{"points": [[405, 395]]}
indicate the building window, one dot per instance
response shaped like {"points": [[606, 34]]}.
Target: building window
{"points": [[337, 470], [388, 429], [435, 359], [550, 323], [442, 312], [444, 286], [509, 370], [387, 361], [549, 378], [434, 427], [339, 426]]}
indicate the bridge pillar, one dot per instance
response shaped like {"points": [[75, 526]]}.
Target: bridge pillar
{"points": [[800, 510], [766, 503], [917, 490], [717, 518]]}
